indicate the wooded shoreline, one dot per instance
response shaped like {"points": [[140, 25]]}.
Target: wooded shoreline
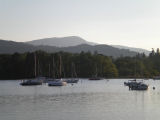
{"points": [[20, 66]]}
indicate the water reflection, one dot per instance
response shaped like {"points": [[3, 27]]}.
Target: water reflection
{"points": [[86, 100]]}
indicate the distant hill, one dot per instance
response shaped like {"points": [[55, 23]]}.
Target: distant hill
{"points": [[139, 50], [74, 41], [12, 47], [101, 49], [61, 41]]}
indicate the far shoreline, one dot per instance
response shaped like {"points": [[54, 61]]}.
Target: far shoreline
{"points": [[82, 78]]}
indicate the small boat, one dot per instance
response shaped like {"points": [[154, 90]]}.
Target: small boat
{"points": [[74, 78], [95, 77], [30, 82], [56, 82], [138, 86], [36, 80], [134, 85]]}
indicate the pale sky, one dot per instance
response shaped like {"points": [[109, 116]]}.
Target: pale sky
{"points": [[134, 23]]}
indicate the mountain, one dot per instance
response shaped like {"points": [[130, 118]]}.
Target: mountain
{"points": [[101, 49], [139, 50], [74, 41], [12, 47], [61, 41]]}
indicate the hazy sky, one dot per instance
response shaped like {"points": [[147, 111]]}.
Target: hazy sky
{"points": [[133, 23]]}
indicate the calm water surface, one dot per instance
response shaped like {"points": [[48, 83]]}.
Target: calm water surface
{"points": [[87, 100]]}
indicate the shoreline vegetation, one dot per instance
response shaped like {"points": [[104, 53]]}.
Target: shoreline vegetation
{"points": [[87, 65]]}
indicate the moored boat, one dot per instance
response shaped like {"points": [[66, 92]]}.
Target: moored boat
{"points": [[135, 85], [74, 78], [34, 81], [56, 82], [138, 86], [31, 82], [95, 76]]}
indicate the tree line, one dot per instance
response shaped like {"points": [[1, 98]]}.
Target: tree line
{"points": [[19, 66]]}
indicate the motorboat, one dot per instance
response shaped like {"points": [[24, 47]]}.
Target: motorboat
{"points": [[138, 86], [135, 85]]}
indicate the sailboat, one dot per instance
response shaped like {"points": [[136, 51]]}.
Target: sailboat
{"points": [[95, 77], [56, 82], [74, 78], [136, 85], [36, 80]]}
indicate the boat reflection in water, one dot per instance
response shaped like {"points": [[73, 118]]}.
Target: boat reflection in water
{"points": [[135, 85]]}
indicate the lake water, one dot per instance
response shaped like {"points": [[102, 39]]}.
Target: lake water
{"points": [[87, 100]]}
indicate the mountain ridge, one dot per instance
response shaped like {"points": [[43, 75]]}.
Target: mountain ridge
{"points": [[139, 50], [75, 40], [61, 41], [10, 47]]}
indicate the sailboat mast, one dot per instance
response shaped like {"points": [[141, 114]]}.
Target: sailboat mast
{"points": [[96, 71], [53, 68], [35, 72], [74, 71], [49, 71], [38, 71], [135, 67], [60, 69]]}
